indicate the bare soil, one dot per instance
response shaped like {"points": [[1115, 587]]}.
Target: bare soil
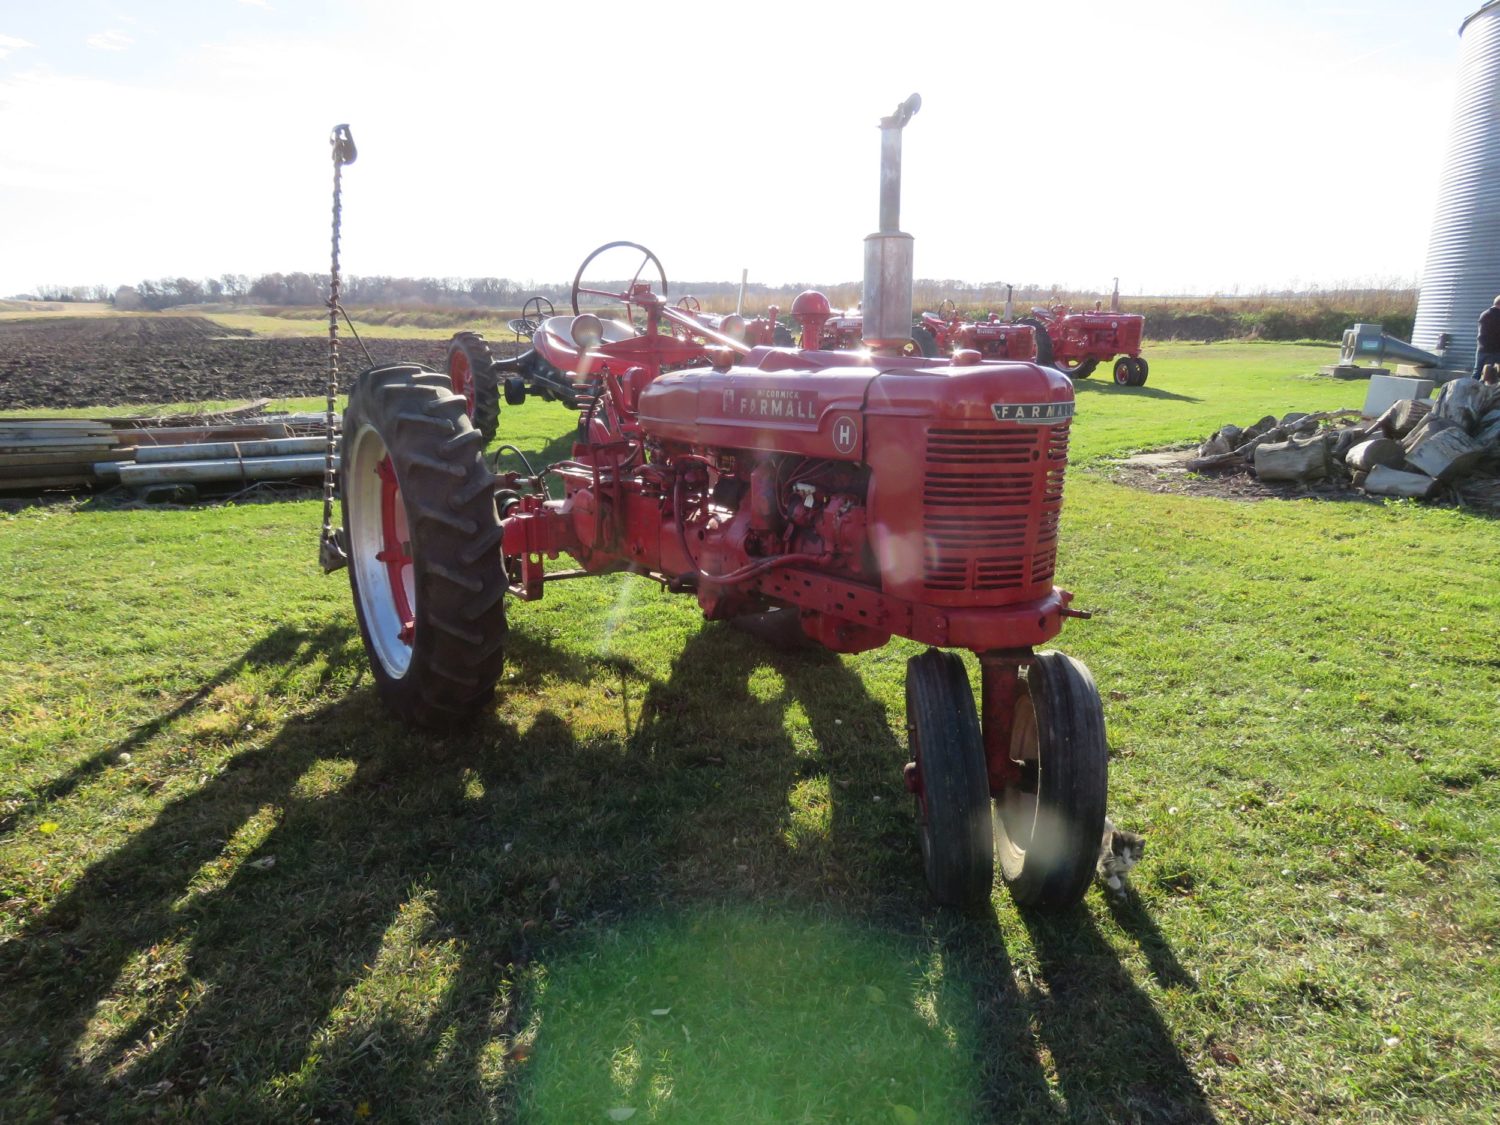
{"points": [[1168, 472], [116, 361]]}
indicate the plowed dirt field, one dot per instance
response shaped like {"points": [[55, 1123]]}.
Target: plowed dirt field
{"points": [[114, 361]]}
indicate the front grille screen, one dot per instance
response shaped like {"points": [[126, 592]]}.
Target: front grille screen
{"points": [[990, 500]]}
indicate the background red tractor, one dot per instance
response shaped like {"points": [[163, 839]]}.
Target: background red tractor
{"points": [[863, 495], [1077, 342], [992, 337]]}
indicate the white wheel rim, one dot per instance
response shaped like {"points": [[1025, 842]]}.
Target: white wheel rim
{"points": [[367, 541], [1017, 809]]}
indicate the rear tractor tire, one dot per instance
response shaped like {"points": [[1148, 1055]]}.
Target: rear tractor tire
{"points": [[1079, 369], [950, 780], [1043, 340], [471, 374], [424, 546], [1049, 825]]}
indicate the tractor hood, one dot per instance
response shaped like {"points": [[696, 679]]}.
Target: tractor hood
{"points": [[816, 404]]}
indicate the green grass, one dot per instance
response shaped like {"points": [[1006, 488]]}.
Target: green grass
{"points": [[233, 890]]}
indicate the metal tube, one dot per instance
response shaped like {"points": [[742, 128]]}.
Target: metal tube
{"points": [[890, 177], [254, 468], [888, 252], [213, 450]]}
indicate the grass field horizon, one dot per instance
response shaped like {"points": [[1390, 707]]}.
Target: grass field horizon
{"points": [[1316, 314], [675, 871]]}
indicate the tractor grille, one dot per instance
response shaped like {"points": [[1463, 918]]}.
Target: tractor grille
{"points": [[991, 500]]}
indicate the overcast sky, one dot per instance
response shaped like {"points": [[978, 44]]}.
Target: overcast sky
{"points": [[1183, 146]]}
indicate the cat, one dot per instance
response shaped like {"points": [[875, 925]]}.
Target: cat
{"points": [[1119, 851]]}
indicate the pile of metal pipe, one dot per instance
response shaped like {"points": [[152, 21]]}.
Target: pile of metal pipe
{"points": [[220, 462]]}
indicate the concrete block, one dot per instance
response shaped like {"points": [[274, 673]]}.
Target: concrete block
{"points": [[1387, 389]]}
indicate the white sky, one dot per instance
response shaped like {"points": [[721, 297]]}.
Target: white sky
{"points": [[1192, 146]]}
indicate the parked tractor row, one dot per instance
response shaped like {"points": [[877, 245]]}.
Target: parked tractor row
{"points": [[1075, 343]]}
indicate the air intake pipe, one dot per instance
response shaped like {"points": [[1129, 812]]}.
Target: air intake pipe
{"points": [[888, 252]]}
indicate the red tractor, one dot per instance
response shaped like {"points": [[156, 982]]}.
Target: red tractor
{"points": [[864, 495], [475, 373], [1077, 342], [992, 337]]}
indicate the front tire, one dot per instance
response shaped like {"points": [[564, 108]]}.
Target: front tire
{"points": [[1142, 369], [1077, 369], [424, 546], [1124, 372], [1050, 823], [951, 780]]}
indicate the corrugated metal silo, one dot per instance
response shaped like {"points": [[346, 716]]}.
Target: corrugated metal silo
{"points": [[1462, 276]]}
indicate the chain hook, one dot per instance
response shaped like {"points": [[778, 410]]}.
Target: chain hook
{"points": [[342, 141]]}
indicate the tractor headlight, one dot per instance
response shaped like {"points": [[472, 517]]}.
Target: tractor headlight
{"points": [[733, 326], [587, 330]]}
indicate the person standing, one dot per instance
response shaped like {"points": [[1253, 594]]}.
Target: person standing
{"points": [[1489, 338]]}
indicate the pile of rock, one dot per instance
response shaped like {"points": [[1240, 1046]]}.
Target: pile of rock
{"points": [[1418, 449]]}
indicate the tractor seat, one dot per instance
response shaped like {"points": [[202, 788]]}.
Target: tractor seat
{"points": [[560, 328]]}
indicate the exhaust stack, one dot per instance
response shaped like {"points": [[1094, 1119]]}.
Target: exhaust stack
{"points": [[888, 252]]}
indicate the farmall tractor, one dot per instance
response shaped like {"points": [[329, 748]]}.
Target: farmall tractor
{"points": [[1077, 342], [992, 337], [868, 495]]}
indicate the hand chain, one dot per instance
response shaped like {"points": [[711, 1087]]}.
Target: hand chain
{"points": [[333, 552]]}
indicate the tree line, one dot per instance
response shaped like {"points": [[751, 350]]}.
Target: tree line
{"points": [[308, 289], [1317, 314]]}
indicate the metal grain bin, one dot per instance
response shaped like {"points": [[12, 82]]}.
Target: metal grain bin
{"points": [[1462, 276]]}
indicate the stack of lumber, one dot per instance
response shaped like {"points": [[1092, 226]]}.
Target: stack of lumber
{"points": [[52, 452], [235, 446]]}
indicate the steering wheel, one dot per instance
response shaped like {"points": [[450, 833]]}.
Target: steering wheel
{"points": [[529, 321], [947, 309], [689, 304], [542, 306], [646, 256]]}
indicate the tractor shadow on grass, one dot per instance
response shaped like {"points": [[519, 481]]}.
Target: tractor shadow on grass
{"points": [[209, 956], [1114, 1054], [282, 646], [1131, 915], [355, 915], [1111, 1053], [1107, 386]]}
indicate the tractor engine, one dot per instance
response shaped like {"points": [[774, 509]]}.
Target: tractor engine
{"points": [[915, 492]]}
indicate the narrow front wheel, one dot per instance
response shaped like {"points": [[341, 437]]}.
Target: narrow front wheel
{"points": [[949, 779], [1050, 820]]}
